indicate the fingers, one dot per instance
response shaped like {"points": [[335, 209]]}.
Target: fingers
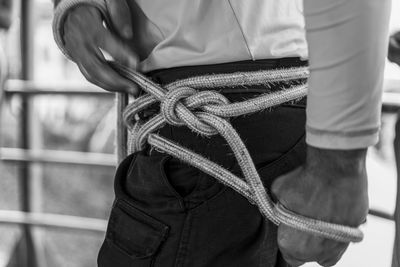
{"points": [[291, 260], [84, 36], [331, 260], [120, 17], [283, 184], [97, 71], [298, 248], [119, 51]]}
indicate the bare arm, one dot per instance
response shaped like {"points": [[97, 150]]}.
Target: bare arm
{"points": [[347, 42]]}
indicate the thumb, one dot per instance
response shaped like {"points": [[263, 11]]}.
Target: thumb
{"points": [[284, 183], [120, 16], [278, 187]]}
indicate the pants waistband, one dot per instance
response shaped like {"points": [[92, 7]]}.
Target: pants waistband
{"points": [[166, 76], [234, 94]]}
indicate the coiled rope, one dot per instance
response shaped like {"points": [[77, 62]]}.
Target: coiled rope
{"points": [[207, 113]]}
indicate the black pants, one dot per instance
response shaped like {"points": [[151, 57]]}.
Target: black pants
{"points": [[167, 213]]}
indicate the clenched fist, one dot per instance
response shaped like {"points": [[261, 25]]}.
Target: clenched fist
{"points": [[332, 187]]}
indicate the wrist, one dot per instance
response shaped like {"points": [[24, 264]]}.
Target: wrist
{"points": [[336, 163]]}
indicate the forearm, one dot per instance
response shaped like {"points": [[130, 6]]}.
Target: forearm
{"points": [[347, 45]]}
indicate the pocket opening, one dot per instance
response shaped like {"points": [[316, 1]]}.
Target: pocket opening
{"points": [[134, 232]]}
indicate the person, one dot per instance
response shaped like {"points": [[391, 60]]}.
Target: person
{"points": [[311, 155]]}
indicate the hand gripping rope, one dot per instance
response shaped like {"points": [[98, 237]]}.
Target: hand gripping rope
{"points": [[207, 113]]}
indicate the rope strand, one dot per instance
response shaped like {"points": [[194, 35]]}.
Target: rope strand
{"points": [[206, 113]]}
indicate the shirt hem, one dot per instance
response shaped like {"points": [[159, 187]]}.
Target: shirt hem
{"points": [[340, 140]]}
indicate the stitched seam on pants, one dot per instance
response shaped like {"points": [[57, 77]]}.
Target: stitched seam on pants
{"points": [[184, 242]]}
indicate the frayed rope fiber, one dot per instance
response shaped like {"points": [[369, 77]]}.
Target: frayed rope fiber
{"points": [[206, 112]]}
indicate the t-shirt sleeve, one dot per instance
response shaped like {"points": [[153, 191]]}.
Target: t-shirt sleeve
{"points": [[347, 42]]}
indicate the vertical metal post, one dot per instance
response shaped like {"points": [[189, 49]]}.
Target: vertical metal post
{"points": [[396, 248], [26, 32], [121, 132]]}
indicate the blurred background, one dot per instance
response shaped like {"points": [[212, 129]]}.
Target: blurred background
{"points": [[57, 154]]}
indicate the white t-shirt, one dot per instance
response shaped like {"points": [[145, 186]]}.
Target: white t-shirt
{"points": [[347, 41], [196, 32]]}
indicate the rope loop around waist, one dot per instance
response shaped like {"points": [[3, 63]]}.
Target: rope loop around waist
{"points": [[178, 104], [207, 112]]}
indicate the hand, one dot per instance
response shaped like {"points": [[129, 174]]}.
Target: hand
{"points": [[394, 48], [332, 187], [86, 37]]}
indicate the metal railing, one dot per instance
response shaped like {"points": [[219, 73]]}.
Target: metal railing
{"points": [[25, 156], [19, 155]]}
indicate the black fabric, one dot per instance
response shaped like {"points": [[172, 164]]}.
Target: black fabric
{"points": [[165, 76], [190, 218]]}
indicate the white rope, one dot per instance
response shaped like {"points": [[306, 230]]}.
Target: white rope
{"points": [[205, 112]]}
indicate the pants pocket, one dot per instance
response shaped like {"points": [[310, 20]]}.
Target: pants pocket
{"points": [[133, 238], [290, 160]]}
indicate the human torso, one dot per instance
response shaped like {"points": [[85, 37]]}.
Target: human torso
{"points": [[197, 32]]}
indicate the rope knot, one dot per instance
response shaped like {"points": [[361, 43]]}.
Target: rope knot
{"points": [[171, 100], [184, 106], [206, 112]]}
